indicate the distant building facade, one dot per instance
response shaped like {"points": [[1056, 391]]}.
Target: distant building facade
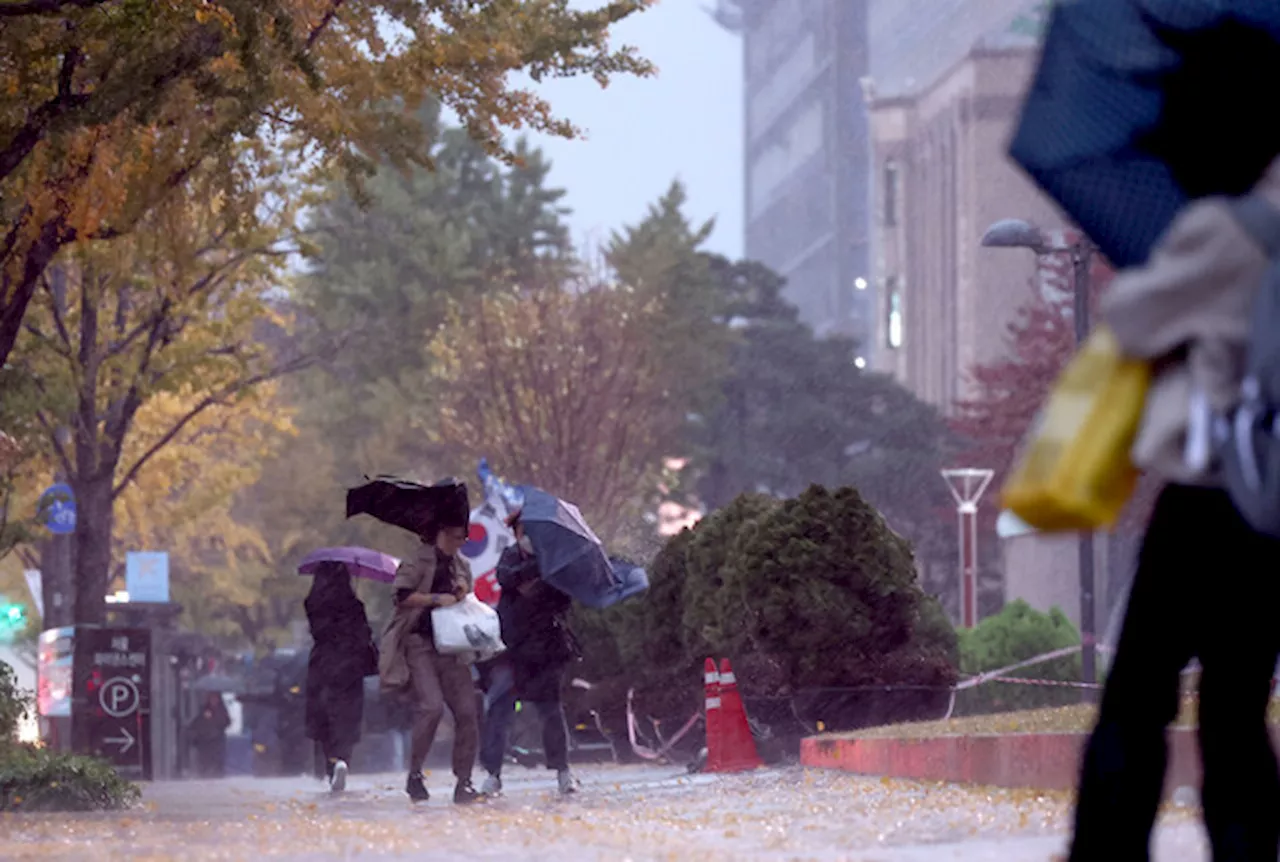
{"points": [[946, 82], [807, 160]]}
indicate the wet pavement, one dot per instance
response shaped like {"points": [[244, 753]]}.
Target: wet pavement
{"points": [[623, 813]]}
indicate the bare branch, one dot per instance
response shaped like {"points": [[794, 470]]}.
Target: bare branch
{"points": [[24, 8], [319, 29], [59, 450], [216, 399]]}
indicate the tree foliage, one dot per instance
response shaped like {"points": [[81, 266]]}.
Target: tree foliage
{"points": [[108, 106], [797, 411], [381, 278], [140, 344], [564, 387], [1009, 391], [801, 594], [1017, 633]]}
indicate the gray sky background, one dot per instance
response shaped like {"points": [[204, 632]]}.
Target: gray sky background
{"points": [[685, 123]]}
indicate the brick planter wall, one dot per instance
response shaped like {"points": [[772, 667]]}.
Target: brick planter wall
{"points": [[1046, 761]]}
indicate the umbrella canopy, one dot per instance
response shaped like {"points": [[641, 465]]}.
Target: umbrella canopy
{"points": [[1139, 106], [632, 580], [570, 556], [410, 505], [359, 562], [218, 683]]}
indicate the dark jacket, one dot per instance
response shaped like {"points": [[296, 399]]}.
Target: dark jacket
{"points": [[534, 627], [342, 655]]}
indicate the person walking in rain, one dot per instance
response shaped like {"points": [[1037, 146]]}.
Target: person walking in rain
{"points": [[437, 578], [208, 733], [342, 655], [540, 646]]}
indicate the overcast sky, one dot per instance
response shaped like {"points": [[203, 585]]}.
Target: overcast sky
{"points": [[641, 134]]}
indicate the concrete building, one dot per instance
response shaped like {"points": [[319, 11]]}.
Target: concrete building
{"points": [[807, 153], [945, 86]]}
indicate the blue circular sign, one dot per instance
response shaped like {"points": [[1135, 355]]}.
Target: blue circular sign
{"points": [[58, 509]]}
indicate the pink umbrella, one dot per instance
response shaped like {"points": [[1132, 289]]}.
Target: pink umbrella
{"points": [[360, 563]]}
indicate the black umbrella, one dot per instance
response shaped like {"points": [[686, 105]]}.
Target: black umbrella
{"points": [[410, 505], [1139, 106]]}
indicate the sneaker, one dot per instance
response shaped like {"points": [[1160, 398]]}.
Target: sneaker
{"points": [[416, 788], [568, 784], [338, 782], [465, 794], [492, 786]]}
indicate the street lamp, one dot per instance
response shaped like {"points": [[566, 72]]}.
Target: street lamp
{"points": [[1018, 233]]}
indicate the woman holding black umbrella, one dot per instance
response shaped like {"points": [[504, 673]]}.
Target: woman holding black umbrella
{"points": [[343, 654]]}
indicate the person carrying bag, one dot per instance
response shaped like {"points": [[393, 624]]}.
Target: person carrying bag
{"points": [[437, 578]]}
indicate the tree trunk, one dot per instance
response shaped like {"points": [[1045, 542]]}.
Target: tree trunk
{"points": [[18, 282], [95, 520]]}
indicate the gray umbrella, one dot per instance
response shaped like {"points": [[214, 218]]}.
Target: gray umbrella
{"points": [[217, 682]]}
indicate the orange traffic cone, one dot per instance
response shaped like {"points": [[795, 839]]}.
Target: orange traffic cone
{"points": [[711, 679], [735, 745]]}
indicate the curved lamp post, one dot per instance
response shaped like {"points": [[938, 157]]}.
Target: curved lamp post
{"points": [[1019, 233]]}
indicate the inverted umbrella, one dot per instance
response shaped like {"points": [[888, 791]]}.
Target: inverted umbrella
{"points": [[411, 505], [1139, 106], [570, 556], [359, 562]]}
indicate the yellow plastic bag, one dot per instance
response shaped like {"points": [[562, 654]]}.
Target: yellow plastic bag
{"points": [[1075, 472]]}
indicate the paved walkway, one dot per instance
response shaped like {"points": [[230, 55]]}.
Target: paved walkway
{"points": [[624, 813]]}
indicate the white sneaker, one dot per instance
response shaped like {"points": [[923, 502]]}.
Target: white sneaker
{"points": [[568, 784], [338, 783], [492, 786]]}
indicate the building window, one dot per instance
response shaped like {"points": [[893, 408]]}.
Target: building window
{"points": [[895, 312], [891, 193]]}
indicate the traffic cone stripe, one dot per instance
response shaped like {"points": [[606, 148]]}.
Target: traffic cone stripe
{"points": [[713, 703], [728, 679]]}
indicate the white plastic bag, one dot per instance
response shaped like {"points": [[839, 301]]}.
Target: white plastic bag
{"points": [[470, 628]]}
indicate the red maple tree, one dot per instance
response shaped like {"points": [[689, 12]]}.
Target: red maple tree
{"points": [[1009, 392]]}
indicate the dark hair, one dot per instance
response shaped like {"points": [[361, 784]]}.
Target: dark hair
{"points": [[330, 583], [430, 532]]}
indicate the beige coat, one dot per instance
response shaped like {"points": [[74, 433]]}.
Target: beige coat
{"points": [[1188, 310], [417, 575]]}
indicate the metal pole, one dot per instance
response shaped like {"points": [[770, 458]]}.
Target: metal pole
{"points": [[1081, 258], [969, 513], [56, 557]]}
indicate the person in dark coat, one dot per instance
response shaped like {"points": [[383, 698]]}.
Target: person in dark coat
{"points": [[208, 734], [342, 655], [540, 646]]}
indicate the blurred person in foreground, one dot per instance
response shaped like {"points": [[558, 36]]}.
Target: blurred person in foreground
{"points": [[1206, 584], [342, 655], [540, 646], [437, 578]]}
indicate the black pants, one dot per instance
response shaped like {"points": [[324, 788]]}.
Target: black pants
{"points": [[334, 717], [1206, 587]]}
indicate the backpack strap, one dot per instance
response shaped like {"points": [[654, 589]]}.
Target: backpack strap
{"points": [[1260, 219]]}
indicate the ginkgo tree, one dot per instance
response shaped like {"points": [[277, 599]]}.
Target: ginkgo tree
{"points": [[143, 343], [107, 107]]}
